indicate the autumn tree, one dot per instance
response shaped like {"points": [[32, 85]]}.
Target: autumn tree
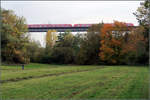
{"points": [[14, 38], [112, 40], [135, 47], [51, 38]]}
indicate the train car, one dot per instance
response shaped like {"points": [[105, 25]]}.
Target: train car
{"points": [[61, 25], [33, 25], [48, 25], [82, 25]]}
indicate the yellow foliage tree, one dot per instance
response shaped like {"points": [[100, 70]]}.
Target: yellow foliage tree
{"points": [[51, 38]]}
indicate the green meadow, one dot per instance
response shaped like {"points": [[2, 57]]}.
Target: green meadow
{"points": [[44, 81]]}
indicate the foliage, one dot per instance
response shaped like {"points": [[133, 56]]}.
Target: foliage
{"points": [[14, 41], [112, 40], [35, 51], [135, 47], [142, 15], [63, 51], [62, 55], [63, 39], [89, 47], [51, 38]]}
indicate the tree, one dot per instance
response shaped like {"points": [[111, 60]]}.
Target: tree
{"points": [[89, 47], [112, 40], [14, 41], [142, 15], [62, 55], [135, 47], [35, 51], [63, 51], [77, 42], [61, 38], [51, 38]]}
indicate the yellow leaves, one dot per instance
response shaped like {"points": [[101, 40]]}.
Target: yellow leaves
{"points": [[51, 38]]}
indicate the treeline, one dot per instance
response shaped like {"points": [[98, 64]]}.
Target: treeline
{"points": [[102, 44]]}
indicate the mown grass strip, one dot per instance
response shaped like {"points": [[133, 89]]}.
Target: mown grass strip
{"points": [[46, 75], [24, 74]]}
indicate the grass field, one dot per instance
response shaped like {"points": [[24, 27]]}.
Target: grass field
{"points": [[43, 81]]}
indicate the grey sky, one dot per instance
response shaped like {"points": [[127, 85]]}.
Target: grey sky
{"points": [[71, 12]]}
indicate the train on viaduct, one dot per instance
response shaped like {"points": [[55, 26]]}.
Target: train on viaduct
{"points": [[63, 27]]}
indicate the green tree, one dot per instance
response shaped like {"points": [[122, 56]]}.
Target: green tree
{"points": [[63, 52], [61, 38], [35, 51], [142, 15], [89, 47]]}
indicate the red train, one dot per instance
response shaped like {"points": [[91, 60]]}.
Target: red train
{"points": [[66, 25], [82, 25], [49, 25], [88, 25]]}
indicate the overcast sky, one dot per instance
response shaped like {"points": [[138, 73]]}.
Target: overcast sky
{"points": [[71, 12]]}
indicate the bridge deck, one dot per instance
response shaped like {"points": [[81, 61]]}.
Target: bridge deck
{"points": [[59, 29]]}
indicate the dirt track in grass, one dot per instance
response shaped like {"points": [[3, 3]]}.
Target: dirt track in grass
{"points": [[47, 75]]}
